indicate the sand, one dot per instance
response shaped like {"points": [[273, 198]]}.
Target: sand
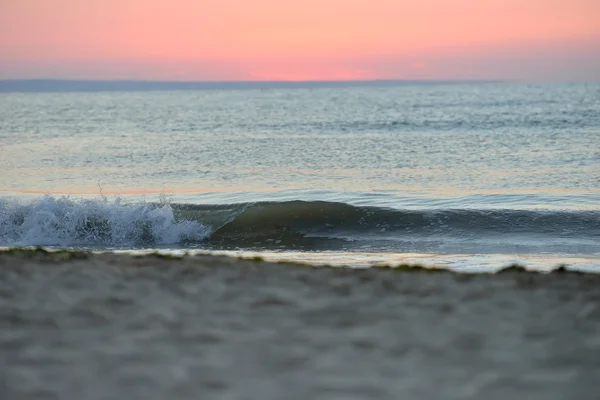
{"points": [[107, 326]]}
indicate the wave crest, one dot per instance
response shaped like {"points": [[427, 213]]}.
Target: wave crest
{"points": [[63, 221]]}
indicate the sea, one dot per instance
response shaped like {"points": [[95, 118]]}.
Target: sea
{"points": [[471, 176]]}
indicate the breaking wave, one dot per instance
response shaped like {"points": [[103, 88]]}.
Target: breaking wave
{"points": [[51, 221]]}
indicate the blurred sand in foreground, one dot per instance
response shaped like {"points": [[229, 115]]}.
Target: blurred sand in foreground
{"points": [[104, 326]]}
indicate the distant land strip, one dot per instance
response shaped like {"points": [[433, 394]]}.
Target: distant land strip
{"points": [[64, 85]]}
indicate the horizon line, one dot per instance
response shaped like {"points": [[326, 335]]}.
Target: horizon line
{"points": [[53, 85], [252, 80], [21, 85]]}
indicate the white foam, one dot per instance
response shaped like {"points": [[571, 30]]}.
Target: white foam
{"points": [[62, 221]]}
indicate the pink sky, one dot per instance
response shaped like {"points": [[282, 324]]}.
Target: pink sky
{"points": [[302, 40]]}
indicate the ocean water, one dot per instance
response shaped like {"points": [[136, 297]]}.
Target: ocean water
{"points": [[460, 175]]}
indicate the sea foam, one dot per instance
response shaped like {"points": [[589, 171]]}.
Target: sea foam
{"points": [[62, 221]]}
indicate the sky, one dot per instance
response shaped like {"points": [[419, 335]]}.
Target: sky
{"points": [[241, 40]]}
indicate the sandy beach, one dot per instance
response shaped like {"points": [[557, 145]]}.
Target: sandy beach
{"points": [[108, 326]]}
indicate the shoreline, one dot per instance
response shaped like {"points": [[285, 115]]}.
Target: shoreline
{"points": [[202, 259]]}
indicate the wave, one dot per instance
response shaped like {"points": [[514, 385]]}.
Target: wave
{"points": [[51, 221], [289, 222], [63, 221]]}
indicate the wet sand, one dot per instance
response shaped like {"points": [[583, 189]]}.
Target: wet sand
{"points": [[108, 326]]}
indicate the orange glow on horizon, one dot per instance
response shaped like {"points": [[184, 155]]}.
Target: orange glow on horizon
{"points": [[280, 40]]}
